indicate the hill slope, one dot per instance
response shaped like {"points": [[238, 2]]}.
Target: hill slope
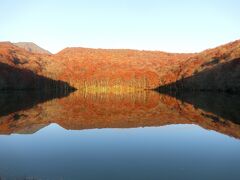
{"points": [[90, 69], [213, 69], [31, 47], [20, 69]]}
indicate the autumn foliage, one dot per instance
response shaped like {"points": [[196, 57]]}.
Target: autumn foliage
{"points": [[125, 70]]}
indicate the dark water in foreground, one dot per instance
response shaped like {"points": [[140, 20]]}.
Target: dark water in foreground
{"points": [[144, 135]]}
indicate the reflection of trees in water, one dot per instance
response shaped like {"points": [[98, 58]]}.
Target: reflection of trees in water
{"points": [[83, 110], [224, 105], [13, 101]]}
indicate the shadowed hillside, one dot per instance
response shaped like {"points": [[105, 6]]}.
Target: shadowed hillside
{"points": [[12, 78], [21, 70], [212, 70], [222, 77]]}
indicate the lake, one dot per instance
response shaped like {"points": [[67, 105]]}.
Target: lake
{"points": [[138, 135]]}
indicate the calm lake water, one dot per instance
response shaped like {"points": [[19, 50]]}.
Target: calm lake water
{"points": [[142, 135]]}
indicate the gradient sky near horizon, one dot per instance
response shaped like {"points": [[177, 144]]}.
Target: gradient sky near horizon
{"points": [[170, 25]]}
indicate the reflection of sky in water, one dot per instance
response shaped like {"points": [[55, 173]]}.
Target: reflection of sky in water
{"points": [[168, 152]]}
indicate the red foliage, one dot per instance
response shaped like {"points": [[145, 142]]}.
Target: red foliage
{"points": [[143, 69]]}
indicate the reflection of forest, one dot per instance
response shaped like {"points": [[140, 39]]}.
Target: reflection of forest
{"points": [[81, 110]]}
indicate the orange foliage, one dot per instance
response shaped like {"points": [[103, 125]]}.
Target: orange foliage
{"points": [[107, 67]]}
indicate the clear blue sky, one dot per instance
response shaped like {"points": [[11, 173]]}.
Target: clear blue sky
{"points": [[170, 25]]}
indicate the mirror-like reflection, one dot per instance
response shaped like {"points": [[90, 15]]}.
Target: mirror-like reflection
{"points": [[13, 101], [79, 110], [37, 141], [224, 105]]}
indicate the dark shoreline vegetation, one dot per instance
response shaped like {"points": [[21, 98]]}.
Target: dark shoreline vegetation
{"points": [[13, 78], [215, 79]]}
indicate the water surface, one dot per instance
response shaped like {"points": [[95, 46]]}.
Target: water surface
{"points": [[142, 135]]}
